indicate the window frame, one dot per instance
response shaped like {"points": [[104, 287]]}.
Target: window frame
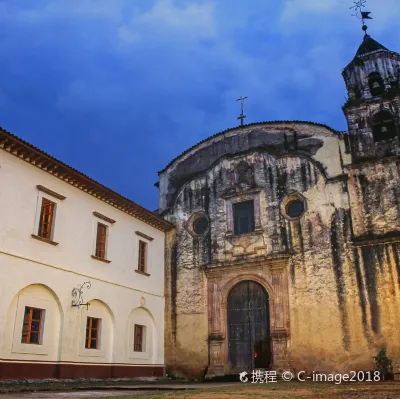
{"points": [[30, 321], [88, 331], [45, 229], [231, 200], [142, 268], [136, 342], [101, 253], [55, 198], [238, 214]]}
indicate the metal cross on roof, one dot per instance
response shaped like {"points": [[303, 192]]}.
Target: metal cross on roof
{"points": [[361, 15], [242, 116]]}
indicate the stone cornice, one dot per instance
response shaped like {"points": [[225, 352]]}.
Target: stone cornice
{"points": [[372, 161], [365, 241], [50, 192], [103, 217], [274, 262]]}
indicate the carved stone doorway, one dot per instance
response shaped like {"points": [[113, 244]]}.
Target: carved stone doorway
{"points": [[249, 338]]}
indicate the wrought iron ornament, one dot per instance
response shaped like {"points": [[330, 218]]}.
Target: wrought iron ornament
{"points": [[360, 14], [242, 116], [77, 295]]}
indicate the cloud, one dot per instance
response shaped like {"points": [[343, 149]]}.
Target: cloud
{"points": [[146, 79], [194, 19]]}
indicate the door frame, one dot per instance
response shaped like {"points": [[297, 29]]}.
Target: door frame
{"points": [[272, 275], [267, 324]]}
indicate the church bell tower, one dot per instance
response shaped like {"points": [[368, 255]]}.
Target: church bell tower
{"points": [[372, 110]]}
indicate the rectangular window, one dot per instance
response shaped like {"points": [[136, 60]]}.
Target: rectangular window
{"points": [[32, 326], [46, 219], [138, 345], [101, 239], [92, 333], [243, 217], [142, 256]]}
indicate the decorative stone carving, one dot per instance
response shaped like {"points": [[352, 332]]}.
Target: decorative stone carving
{"points": [[142, 302]]}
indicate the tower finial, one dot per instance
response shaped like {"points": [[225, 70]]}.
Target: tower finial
{"points": [[361, 15]]}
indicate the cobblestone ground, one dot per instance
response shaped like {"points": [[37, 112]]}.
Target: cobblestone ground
{"points": [[280, 390]]}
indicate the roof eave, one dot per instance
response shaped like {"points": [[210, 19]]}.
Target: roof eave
{"points": [[241, 127], [40, 159]]}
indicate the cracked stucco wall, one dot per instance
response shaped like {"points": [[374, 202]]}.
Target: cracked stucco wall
{"points": [[343, 291]]}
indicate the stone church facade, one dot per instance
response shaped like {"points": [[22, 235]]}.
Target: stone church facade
{"points": [[285, 252]]}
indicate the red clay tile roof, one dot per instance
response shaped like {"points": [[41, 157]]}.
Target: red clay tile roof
{"points": [[26, 151]]}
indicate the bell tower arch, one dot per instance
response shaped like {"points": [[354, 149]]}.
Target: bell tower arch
{"points": [[372, 110]]}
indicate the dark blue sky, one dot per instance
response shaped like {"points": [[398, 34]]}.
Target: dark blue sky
{"points": [[117, 88]]}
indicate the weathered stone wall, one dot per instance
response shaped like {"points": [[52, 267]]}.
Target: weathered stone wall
{"points": [[334, 298], [375, 191]]}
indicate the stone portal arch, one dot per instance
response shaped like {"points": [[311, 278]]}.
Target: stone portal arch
{"points": [[272, 276]]}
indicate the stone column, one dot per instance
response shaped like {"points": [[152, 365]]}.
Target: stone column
{"points": [[216, 338], [279, 327]]}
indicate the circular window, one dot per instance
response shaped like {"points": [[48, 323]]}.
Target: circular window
{"points": [[295, 208], [200, 226]]}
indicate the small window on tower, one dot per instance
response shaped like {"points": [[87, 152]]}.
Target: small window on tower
{"points": [[243, 217], [376, 85], [384, 126]]}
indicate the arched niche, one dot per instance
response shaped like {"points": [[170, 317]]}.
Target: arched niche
{"points": [[34, 324], [141, 317], [98, 322], [376, 84], [383, 126]]}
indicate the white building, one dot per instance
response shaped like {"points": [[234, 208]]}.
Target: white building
{"points": [[60, 229]]}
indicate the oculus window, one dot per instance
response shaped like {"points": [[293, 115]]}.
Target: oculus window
{"points": [[200, 226], [295, 208]]}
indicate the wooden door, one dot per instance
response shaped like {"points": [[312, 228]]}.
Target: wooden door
{"points": [[249, 342]]}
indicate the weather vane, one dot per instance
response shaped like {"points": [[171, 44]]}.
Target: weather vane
{"points": [[360, 14], [242, 116]]}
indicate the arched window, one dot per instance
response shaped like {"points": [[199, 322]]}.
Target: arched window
{"points": [[383, 126], [376, 85]]}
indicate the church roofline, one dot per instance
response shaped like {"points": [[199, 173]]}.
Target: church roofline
{"points": [[36, 157], [369, 46], [390, 52], [336, 132]]}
